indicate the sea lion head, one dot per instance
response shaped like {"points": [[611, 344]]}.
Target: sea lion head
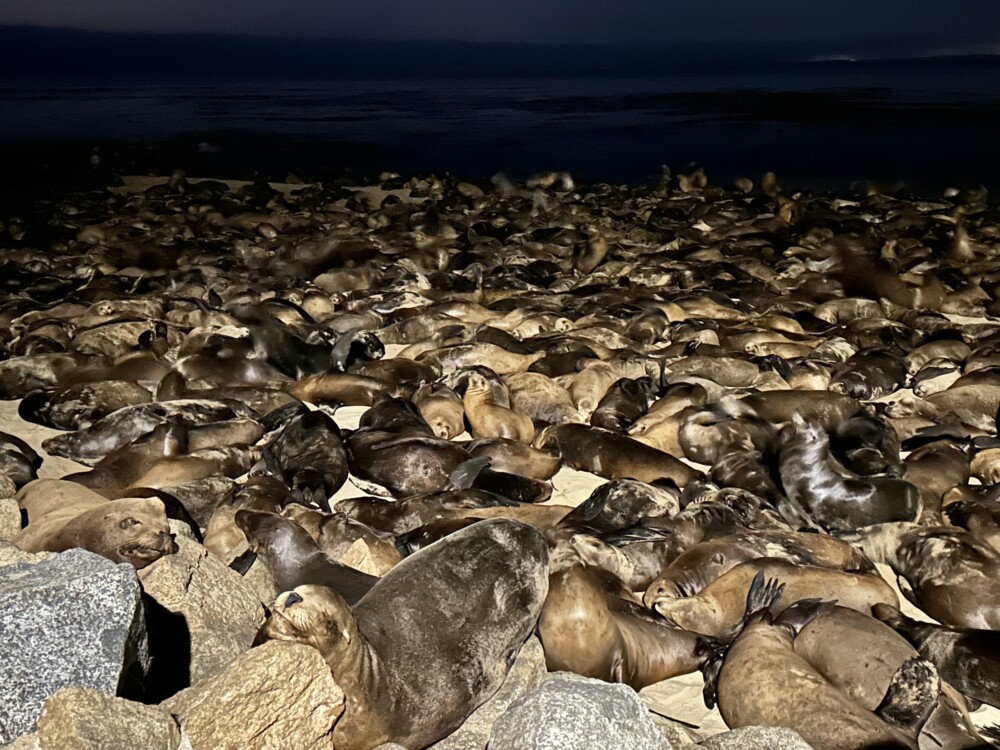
{"points": [[315, 616], [136, 531]]}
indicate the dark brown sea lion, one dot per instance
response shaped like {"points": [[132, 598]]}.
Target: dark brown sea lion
{"points": [[622, 503], [968, 659], [130, 422], [819, 490], [949, 573], [132, 530], [295, 559], [590, 630], [432, 640], [311, 457], [77, 406], [626, 401], [613, 456]]}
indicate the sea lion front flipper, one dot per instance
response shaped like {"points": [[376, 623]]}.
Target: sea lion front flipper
{"points": [[711, 669], [912, 695], [242, 563], [800, 614], [761, 596], [464, 475]]}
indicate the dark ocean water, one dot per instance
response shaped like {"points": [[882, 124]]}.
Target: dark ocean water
{"points": [[816, 126]]}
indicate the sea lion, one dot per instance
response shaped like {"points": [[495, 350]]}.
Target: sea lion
{"points": [[516, 457], [335, 533], [132, 530], [949, 573], [295, 559], [968, 659], [540, 399], [590, 630], [718, 607], [311, 457], [824, 408], [441, 408], [704, 562], [762, 681], [612, 455], [627, 401], [125, 466], [340, 388], [432, 641], [820, 491], [126, 424], [80, 405], [487, 419], [623, 503]]}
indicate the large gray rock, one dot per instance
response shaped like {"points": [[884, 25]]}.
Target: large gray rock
{"points": [[569, 712], [84, 719], [280, 695], [526, 673], [757, 738], [74, 619], [221, 612]]}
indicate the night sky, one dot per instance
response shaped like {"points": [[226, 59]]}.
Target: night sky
{"points": [[868, 28]]}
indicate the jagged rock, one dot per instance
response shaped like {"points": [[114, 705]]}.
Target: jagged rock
{"points": [[7, 487], [359, 557], [280, 695], [10, 518], [74, 619], [85, 719], [757, 738], [200, 497], [526, 673], [221, 611], [11, 554], [569, 712]]}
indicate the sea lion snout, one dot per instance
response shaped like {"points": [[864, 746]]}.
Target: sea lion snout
{"points": [[168, 543]]}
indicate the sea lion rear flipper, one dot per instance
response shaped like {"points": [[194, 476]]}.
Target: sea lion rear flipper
{"points": [[464, 475], [912, 695]]}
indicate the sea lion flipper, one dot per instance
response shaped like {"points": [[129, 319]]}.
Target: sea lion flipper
{"points": [[912, 695], [242, 563], [762, 595], [800, 614], [464, 475], [711, 668]]}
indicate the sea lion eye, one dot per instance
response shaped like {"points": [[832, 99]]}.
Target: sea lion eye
{"points": [[127, 523]]}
